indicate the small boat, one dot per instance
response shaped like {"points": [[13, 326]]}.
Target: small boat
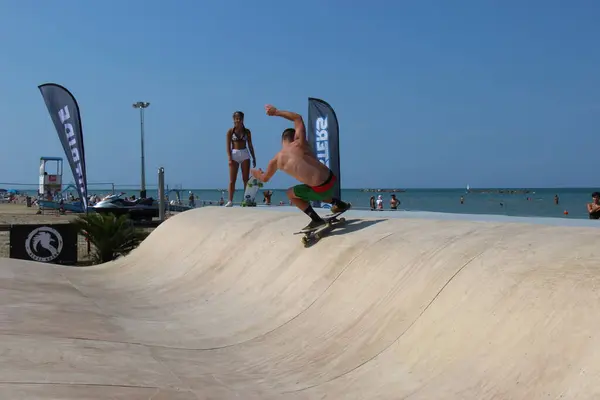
{"points": [[74, 206]]}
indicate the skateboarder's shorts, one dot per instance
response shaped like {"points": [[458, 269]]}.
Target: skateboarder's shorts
{"points": [[240, 155], [316, 193]]}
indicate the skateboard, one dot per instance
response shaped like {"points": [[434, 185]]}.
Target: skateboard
{"points": [[250, 192], [313, 236]]}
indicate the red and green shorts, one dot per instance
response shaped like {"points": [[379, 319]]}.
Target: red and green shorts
{"points": [[316, 193]]}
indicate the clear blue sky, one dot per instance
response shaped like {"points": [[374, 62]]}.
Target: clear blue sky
{"points": [[428, 93]]}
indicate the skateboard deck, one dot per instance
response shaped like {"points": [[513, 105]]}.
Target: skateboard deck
{"points": [[250, 192], [312, 236]]}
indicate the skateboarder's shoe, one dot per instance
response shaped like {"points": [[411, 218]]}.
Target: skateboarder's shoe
{"points": [[229, 204], [314, 225], [340, 206]]}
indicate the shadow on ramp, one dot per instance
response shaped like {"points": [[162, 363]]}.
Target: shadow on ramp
{"points": [[353, 225]]}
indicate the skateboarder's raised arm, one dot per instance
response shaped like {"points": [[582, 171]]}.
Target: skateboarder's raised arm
{"points": [[299, 127]]}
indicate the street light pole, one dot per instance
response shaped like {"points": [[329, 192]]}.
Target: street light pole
{"points": [[142, 106]]}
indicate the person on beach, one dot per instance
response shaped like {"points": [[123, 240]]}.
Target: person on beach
{"points": [[394, 202], [239, 150], [296, 158], [379, 203], [267, 197], [594, 207]]}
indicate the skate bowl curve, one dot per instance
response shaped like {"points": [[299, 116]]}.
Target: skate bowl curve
{"points": [[226, 303]]}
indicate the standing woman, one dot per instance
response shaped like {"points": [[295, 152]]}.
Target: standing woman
{"points": [[239, 140]]}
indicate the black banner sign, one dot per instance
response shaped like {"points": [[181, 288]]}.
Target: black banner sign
{"points": [[64, 111], [53, 243], [324, 138]]}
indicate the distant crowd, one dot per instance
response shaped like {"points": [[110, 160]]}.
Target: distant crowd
{"points": [[593, 208], [377, 204]]}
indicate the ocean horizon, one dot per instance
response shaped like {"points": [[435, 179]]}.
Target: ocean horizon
{"points": [[509, 201]]}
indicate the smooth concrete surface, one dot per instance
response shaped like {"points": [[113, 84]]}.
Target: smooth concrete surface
{"points": [[226, 303], [366, 213]]}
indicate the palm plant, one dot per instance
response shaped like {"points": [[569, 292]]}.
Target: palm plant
{"points": [[110, 235]]}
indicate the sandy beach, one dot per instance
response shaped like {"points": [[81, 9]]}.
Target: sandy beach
{"points": [[11, 213]]}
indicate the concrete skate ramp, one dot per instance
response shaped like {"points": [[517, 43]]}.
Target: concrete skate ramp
{"points": [[226, 303]]}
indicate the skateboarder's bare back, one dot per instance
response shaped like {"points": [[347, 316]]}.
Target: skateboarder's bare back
{"points": [[297, 159]]}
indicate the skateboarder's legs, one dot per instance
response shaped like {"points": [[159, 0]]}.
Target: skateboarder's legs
{"points": [[302, 195]]}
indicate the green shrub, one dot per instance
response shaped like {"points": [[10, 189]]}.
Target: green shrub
{"points": [[111, 236]]}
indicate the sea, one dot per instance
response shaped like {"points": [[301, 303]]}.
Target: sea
{"points": [[520, 202], [539, 202]]}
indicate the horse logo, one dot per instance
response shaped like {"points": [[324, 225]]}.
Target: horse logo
{"points": [[44, 244]]}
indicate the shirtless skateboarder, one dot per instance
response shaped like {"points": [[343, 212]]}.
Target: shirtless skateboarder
{"points": [[296, 158]]}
